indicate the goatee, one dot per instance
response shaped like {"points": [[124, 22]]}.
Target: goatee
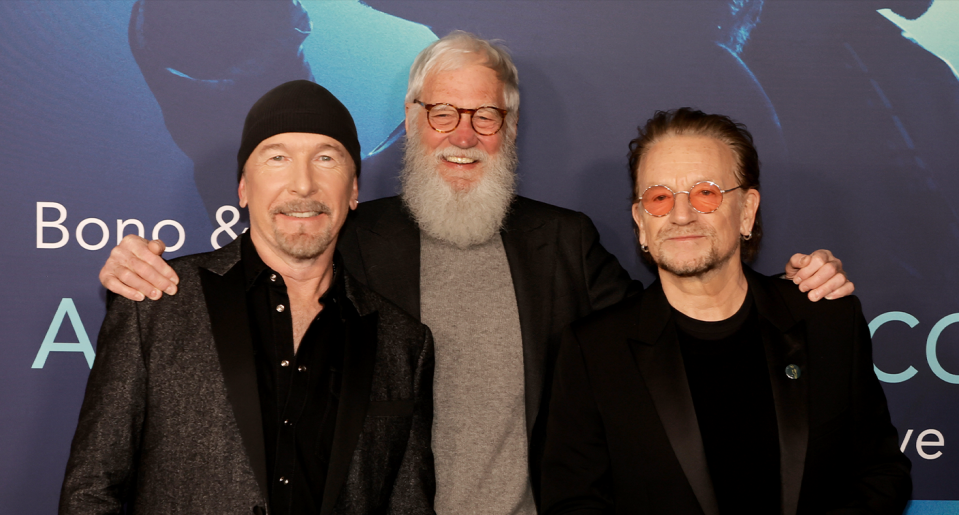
{"points": [[698, 266], [303, 244]]}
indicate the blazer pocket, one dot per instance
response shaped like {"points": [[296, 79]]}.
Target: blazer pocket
{"points": [[397, 408]]}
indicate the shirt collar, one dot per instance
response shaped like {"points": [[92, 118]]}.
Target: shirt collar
{"points": [[254, 269]]}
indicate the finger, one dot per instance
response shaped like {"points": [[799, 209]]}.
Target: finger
{"points": [[135, 266], [133, 279], [828, 286], [113, 284], [846, 289], [818, 277], [809, 265], [157, 266], [795, 262], [157, 247], [148, 272]]}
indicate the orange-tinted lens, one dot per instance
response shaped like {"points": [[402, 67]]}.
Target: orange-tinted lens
{"points": [[657, 200], [705, 197]]}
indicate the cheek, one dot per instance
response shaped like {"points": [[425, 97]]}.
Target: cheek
{"points": [[492, 144]]}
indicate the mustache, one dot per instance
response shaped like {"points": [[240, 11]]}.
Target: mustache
{"points": [[687, 230], [301, 205], [469, 153]]}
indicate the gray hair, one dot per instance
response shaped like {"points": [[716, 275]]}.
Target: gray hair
{"points": [[458, 49]]}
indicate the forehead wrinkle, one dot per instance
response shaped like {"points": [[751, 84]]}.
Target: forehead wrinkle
{"points": [[681, 161]]}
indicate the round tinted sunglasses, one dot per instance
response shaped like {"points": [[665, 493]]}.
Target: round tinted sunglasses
{"points": [[704, 197]]}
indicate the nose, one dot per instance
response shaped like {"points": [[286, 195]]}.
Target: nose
{"points": [[682, 212], [464, 136], [302, 180]]}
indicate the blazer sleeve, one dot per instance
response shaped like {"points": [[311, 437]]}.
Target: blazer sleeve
{"points": [[100, 473], [883, 484], [576, 464], [606, 280], [415, 482]]}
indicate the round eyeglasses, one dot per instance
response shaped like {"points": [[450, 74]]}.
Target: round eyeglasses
{"points": [[704, 197], [486, 120]]}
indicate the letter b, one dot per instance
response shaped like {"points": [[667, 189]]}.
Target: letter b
{"points": [[57, 224]]}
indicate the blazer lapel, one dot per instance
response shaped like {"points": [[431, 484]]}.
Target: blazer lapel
{"points": [[226, 304], [528, 245], [785, 343], [656, 349], [391, 257], [358, 359]]}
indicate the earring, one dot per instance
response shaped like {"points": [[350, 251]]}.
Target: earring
{"points": [[746, 237], [643, 248]]}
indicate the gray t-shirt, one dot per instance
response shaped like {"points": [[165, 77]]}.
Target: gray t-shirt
{"points": [[479, 423]]}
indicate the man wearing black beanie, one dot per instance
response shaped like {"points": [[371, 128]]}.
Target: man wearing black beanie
{"points": [[274, 382]]}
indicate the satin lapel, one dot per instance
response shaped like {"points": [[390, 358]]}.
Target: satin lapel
{"points": [[785, 341], [391, 258], [791, 398], [226, 304], [528, 252], [665, 376], [358, 359]]}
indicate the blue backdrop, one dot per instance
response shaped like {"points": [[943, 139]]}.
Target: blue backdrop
{"points": [[123, 116]]}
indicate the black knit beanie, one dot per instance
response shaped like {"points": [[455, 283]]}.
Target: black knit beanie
{"points": [[298, 106]]}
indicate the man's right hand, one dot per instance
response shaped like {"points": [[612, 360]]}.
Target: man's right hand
{"points": [[136, 270]]}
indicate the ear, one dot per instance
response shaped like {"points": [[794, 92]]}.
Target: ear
{"points": [[406, 122], [241, 190], [355, 194], [638, 218], [750, 207]]}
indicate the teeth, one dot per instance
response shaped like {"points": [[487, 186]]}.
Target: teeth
{"points": [[305, 214], [460, 160]]}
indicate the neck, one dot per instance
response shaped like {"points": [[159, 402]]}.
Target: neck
{"points": [[712, 296], [304, 278]]}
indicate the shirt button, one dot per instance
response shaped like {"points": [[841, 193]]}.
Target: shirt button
{"points": [[284, 480], [273, 277], [284, 363], [302, 368], [287, 423], [280, 308]]}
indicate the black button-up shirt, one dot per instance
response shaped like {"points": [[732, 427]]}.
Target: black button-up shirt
{"points": [[299, 392]]}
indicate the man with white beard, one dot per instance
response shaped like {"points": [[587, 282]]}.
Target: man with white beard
{"points": [[495, 276]]}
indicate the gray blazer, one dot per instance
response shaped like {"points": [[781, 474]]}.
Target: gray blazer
{"points": [[171, 418]]}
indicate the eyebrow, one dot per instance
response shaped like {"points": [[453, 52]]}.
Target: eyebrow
{"points": [[317, 148]]}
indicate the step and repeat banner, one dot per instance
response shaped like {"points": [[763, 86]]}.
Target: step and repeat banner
{"points": [[124, 117]]}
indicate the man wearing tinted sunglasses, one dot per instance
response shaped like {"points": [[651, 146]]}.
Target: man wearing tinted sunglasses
{"points": [[496, 276], [716, 390]]}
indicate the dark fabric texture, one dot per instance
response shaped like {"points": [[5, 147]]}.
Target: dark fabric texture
{"points": [[171, 420], [299, 393], [298, 106], [560, 273], [725, 365], [623, 435]]}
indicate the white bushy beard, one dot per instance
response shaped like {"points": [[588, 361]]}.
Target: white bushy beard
{"points": [[463, 218]]}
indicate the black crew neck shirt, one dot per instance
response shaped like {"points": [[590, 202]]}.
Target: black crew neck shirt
{"points": [[728, 378], [299, 392]]}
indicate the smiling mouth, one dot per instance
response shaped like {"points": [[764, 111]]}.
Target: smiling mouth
{"points": [[302, 214], [459, 160]]}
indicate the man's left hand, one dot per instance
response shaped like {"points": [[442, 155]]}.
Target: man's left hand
{"points": [[819, 273]]}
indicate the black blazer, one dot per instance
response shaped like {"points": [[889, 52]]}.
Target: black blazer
{"points": [[623, 435], [560, 273], [171, 418]]}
